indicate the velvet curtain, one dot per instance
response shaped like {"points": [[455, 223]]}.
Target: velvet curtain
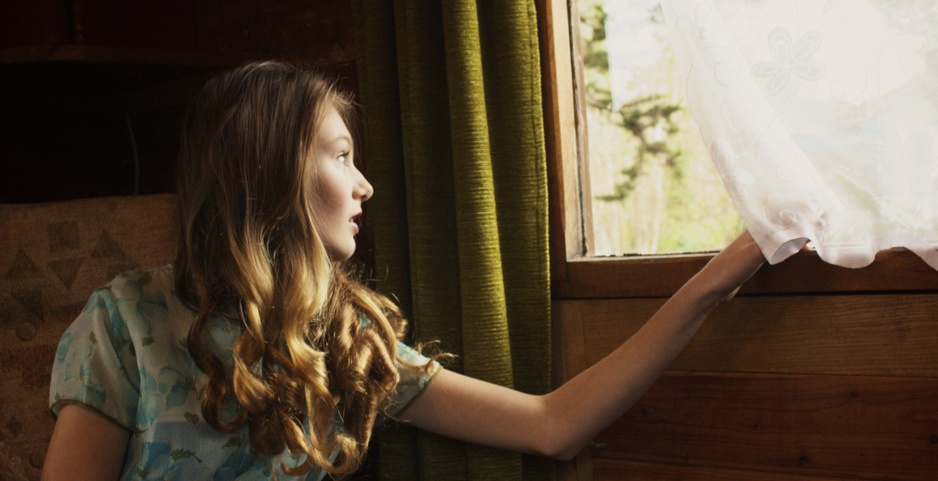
{"points": [[453, 145]]}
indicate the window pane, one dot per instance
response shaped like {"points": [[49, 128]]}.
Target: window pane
{"points": [[652, 186]]}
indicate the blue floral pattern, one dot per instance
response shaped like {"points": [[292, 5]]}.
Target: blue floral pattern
{"points": [[125, 356]]}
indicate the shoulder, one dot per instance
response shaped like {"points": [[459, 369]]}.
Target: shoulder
{"points": [[142, 284], [135, 304], [153, 286]]}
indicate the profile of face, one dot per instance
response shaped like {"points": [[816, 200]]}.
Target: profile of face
{"points": [[340, 187]]}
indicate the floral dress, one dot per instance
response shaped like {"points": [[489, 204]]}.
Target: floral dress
{"points": [[125, 357]]}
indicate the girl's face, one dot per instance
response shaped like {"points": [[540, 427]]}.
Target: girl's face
{"points": [[340, 188]]}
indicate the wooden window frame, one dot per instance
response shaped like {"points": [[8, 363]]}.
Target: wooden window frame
{"points": [[574, 276]]}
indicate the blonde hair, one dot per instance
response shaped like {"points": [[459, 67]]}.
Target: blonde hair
{"points": [[250, 251]]}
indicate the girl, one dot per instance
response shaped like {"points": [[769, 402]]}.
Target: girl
{"points": [[257, 354]]}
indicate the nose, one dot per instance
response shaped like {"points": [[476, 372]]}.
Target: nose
{"points": [[363, 189]]}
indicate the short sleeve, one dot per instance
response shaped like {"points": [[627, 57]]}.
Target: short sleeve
{"points": [[95, 363], [416, 371]]}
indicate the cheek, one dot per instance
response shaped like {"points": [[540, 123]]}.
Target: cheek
{"points": [[330, 196], [332, 187], [326, 196]]}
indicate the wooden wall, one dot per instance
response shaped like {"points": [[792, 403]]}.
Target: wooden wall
{"points": [[774, 387]]}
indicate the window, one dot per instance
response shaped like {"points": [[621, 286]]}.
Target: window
{"points": [[576, 275], [650, 186]]}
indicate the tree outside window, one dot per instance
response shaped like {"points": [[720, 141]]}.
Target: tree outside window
{"points": [[653, 188]]}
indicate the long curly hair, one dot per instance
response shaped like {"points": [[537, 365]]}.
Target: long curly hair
{"points": [[250, 251]]}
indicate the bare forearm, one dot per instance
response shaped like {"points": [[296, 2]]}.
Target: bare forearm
{"points": [[589, 402]]}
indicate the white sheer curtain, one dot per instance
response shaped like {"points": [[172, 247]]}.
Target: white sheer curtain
{"points": [[822, 118]]}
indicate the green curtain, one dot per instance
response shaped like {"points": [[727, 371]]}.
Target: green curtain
{"points": [[454, 147]]}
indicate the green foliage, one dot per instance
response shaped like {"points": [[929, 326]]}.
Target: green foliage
{"points": [[595, 57], [646, 118], [653, 186], [650, 120]]}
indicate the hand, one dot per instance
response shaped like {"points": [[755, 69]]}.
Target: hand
{"points": [[727, 271]]}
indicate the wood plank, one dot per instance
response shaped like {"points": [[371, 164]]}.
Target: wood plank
{"points": [[567, 338], [579, 468], [883, 335], [619, 470], [853, 426]]}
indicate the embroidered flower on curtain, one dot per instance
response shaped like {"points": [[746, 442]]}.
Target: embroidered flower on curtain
{"points": [[821, 117], [790, 58]]}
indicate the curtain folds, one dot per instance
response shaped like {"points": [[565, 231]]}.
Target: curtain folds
{"points": [[822, 118], [454, 148]]}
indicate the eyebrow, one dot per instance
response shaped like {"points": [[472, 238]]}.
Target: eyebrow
{"points": [[340, 138], [345, 137]]}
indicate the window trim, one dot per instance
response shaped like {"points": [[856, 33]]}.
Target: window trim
{"points": [[574, 276]]}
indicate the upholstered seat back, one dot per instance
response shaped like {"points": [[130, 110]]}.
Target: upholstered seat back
{"points": [[52, 256]]}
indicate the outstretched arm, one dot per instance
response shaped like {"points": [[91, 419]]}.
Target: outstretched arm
{"points": [[561, 423]]}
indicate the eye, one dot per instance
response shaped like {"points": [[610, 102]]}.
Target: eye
{"points": [[343, 158]]}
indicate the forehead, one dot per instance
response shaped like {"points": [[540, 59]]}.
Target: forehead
{"points": [[332, 127]]}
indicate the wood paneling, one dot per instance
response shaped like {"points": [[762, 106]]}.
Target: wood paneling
{"points": [[616, 470], [772, 387], [879, 335], [879, 427]]}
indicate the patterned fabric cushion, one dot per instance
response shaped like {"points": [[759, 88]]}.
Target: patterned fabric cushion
{"points": [[52, 256]]}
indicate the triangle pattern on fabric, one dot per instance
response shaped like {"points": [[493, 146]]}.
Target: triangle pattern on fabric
{"points": [[63, 236], [106, 247], [66, 270], [32, 301], [22, 267]]}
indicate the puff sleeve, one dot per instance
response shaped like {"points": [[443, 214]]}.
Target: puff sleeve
{"points": [[95, 363]]}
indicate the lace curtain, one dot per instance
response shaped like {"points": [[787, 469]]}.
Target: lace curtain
{"points": [[822, 118]]}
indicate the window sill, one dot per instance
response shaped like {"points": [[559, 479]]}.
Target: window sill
{"points": [[895, 270]]}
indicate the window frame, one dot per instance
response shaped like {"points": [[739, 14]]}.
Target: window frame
{"points": [[574, 276]]}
